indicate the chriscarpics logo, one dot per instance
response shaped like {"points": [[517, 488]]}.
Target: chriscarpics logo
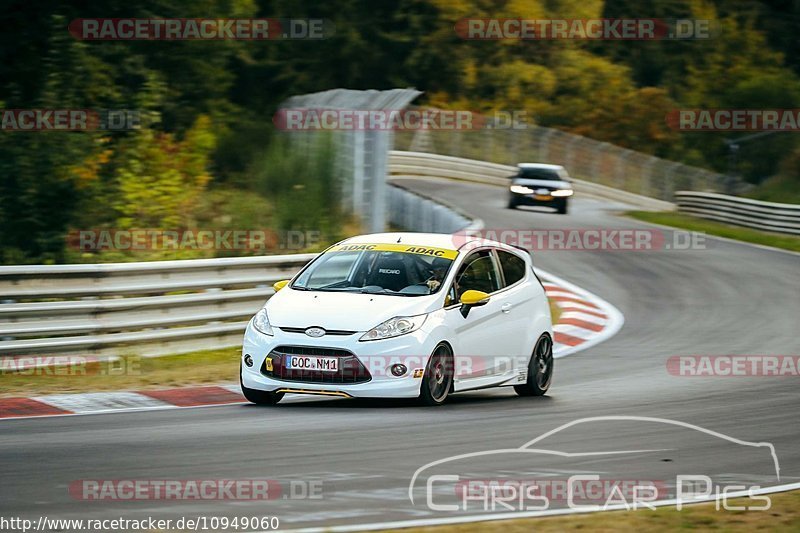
{"points": [[603, 463]]}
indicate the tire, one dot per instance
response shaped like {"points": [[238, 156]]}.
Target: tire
{"points": [[438, 378], [512, 204], [562, 208], [540, 369], [259, 397]]}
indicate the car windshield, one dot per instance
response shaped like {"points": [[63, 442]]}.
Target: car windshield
{"points": [[541, 174], [394, 269]]}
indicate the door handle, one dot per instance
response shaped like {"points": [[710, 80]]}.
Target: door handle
{"points": [[506, 307]]}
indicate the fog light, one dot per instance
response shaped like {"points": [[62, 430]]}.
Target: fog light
{"points": [[398, 370], [248, 360]]}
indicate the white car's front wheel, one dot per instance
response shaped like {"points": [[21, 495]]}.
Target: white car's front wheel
{"points": [[540, 369], [259, 397], [438, 378]]}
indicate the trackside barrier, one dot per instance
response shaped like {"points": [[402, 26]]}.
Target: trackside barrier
{"points": [[457, 168], [149, 308], [769, 216], [162, 307], [415, 212], [588, 159]]}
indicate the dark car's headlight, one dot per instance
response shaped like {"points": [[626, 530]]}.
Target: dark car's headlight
{"points": [[521, 189]]}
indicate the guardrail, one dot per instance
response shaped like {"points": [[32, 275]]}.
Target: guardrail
{"points": [[443, 166], [587, 159], [149, 308], [162, 307], [769, 216], [416, 212]]}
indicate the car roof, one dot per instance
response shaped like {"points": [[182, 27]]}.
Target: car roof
{"points": [[448, 241], [540, 165], [437, 240]]}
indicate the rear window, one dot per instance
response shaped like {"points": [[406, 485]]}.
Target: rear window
{"points": [[513, 267]]}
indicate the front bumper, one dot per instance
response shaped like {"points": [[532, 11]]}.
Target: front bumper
{"points": [[377, 357], [536, 199]]}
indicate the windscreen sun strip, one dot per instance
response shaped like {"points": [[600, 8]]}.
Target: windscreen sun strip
{"points": [[405, 248]]}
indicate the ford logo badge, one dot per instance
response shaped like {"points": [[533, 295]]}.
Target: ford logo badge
{"points": [[315, 332]]}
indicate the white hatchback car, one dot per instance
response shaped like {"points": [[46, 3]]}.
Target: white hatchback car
{"points": [[400, 315]]}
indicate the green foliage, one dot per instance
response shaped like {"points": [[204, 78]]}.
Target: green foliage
{"points": [[160, 179], [207, 106], [782, 187], [302, 184]]}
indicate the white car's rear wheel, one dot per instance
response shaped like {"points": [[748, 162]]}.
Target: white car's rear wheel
{"points": [[540, 369], [438, 378]]}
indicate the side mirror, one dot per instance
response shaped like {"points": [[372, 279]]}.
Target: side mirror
{"points": [[472, 299], [278, 285]]}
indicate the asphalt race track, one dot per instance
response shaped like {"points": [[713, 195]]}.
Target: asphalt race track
{"points": [[728, 298]]}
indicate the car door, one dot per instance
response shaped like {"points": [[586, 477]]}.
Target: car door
{"points": [[478, 343], [519, 306]]}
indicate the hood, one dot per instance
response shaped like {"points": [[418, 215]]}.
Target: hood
{"points": [[549, 184], [340, 310]]}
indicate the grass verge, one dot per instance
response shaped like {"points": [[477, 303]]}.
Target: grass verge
{"points": [[690, 223], [784, 515], [128, 373]]}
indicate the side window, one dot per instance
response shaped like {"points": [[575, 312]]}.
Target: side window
{"points": [[477, 273], [513, 267]]}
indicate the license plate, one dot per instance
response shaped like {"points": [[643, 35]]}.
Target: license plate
{"points": [[542, 197], [304, 362]]}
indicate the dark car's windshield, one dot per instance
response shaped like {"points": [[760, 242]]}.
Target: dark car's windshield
{"points": [[542, 174], [403, 270]]}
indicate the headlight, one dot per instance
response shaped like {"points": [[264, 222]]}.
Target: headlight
{"points": [[399, 325], [562, 192], [261, 322], [521, 189]]}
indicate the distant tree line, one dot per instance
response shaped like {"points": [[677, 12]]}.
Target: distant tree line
{"points": [[206, 106]]}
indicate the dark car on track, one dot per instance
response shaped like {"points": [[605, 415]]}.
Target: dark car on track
{"points": [[539, 184]]}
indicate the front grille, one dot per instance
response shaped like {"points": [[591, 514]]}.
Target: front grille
{"points": [[327, 331], [351, 369]]}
